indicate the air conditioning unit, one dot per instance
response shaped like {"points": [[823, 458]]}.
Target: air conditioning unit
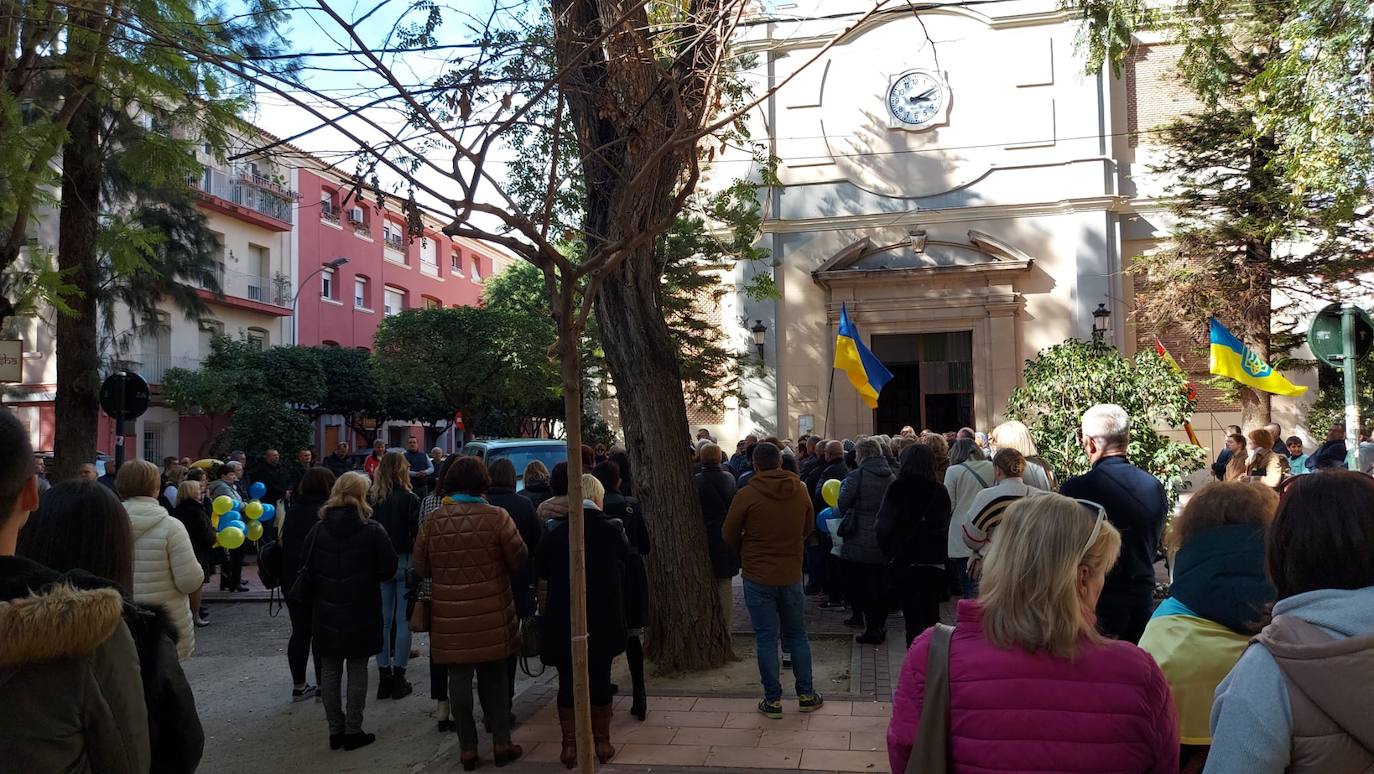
{"points": [[355, 215]]}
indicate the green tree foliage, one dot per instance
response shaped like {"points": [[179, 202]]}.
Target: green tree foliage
{"points": [[1270, 175], [1330, 406], [476, 360], [1153, 394]]}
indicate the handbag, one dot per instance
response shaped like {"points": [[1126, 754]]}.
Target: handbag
{"points": [[302, 590], [420, 610], [849, 523], [531, 637], [930, 750]]}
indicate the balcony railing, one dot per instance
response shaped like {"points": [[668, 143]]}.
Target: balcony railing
{"points": [[329, 214], [246, 189], [152, 367], [395, 241]]}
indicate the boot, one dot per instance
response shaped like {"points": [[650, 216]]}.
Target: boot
{"points": [[601, 732], [567, 720], [634, 656], [384, 682], [399, 687]]}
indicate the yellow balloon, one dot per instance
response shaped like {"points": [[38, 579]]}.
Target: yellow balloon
{"points": [[830, 492], [254, 530], [214, 521], [231, 537], [222, 505], [253, 511]]}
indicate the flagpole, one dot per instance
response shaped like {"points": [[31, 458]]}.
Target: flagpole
{"points": [[829, 399]]}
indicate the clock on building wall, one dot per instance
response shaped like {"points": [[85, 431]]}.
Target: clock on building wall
{"points": [[917, 99]]}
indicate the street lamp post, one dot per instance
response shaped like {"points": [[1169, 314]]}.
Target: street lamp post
{"points": [[333, 265], [759, 330], [1102, 318]]}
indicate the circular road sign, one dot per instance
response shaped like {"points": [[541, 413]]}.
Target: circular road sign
{"points": [[124, 395], [1325, 337]]}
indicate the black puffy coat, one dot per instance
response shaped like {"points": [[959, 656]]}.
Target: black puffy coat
{"points": [[716, 490], [537, 492], [913, 522], [192, 515], [399, 513], [636, 580], [521, 511], [836, 470], [348, 558], [301, 516], [175, 736], [606, 553]]}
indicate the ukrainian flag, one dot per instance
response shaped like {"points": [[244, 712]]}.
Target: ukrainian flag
{"points": [[866, 373], [1231, 358]]}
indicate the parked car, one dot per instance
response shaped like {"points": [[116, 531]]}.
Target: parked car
{"points": [[520, 451]]}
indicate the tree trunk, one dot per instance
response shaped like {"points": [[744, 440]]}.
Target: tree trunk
{"points": [[78, 358], [1256, 307], [688, 630]]}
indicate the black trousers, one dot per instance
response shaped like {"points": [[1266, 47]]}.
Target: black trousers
{"points": [[298, 647], [836, 586], [816, 565], [1124, 614], [918, 591], [868, 593], [598, 682]]}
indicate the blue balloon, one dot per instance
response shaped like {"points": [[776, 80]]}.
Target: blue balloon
{"points": [[238, 506], [269, 512], [821, 526], [233, 523], [257, 490]]}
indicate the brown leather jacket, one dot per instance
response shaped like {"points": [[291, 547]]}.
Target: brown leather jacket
{"points": [[469, 551]]}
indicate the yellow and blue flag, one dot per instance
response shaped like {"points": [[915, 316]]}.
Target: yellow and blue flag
{"points": [[866, 372], [1231, 358]]}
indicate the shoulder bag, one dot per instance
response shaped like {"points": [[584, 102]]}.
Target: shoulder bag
{"points": [[974, 473], [930, 748], [302, 590], [420, 608]]}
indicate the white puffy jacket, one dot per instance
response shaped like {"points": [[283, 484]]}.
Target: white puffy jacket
{"points": [[165, 566]]}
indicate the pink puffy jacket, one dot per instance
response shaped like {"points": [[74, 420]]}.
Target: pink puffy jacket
{"points": [[1108, 710]]}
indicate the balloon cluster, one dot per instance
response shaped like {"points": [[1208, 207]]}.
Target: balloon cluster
{"points": [[830, 492], [231, 532]]}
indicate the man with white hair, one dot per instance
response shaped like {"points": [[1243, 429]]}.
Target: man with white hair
{"points": [[1135, 504]]}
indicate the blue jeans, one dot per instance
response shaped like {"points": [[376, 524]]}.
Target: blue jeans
{"points": [[774, 608], [968, 587], [394, 615]]}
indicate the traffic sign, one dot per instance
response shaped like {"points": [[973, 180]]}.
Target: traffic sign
{"points": [[1324, 337], [124, 395]]}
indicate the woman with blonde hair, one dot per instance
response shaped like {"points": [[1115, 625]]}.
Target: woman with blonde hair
{"points": [[190, 511], [536, 483], [166, 571], [397, 509], [1258, 462], [1015, 435], [1029, 648], [346, 556]]}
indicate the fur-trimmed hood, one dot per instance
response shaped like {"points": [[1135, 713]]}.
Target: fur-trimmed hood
{"points": [[59, 622]]}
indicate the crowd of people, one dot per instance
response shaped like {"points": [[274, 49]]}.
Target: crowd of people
{"points": [[1245, 665]]}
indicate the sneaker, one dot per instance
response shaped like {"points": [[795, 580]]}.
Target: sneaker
{"points": [[771, 709], [199, 621], [204, 612], [301, 694], [810, 702], [786, 660], [828, 605]]}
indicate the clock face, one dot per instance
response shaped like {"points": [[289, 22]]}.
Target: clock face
{"points": [[915, 98]]}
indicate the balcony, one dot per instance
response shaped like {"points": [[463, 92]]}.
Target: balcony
{"points": [[395, 242], [249, 293], [152, 367], [249, 196], [329, 215]]}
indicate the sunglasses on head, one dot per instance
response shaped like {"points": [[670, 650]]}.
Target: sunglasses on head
{"points": [[1099, 515]]}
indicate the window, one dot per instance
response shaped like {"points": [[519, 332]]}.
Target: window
{"points": [[330, 343], [455, 263], [260, 282], [257, 338], [476, 273], [394, 237], [329, 211], [393, 301], [152, 444], [327, 284], [429, 257], [431, 303], [360, 294]]}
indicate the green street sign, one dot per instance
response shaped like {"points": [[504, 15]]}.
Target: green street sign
{"points": [[1324, 337]]}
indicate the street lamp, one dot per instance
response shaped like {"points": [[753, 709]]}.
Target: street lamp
{"points": [[759, 330], [331, 265], [1102, 319]]}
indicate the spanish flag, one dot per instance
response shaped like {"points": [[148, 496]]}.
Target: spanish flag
{"points": [[866, 373], [1231, 358], [1192, 389]]}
